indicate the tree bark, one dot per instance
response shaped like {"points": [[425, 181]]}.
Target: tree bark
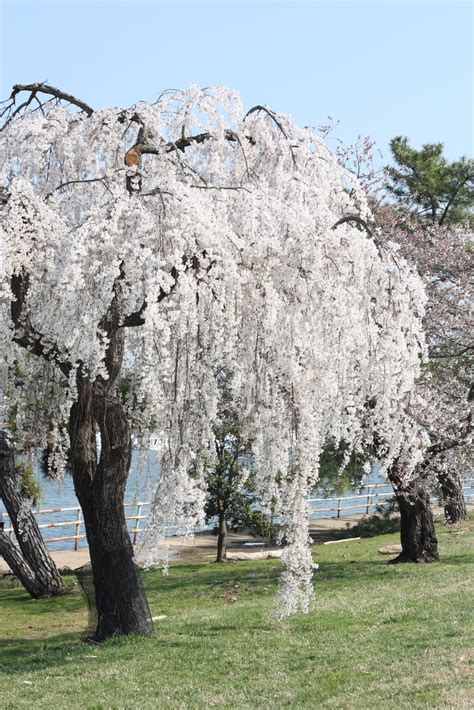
{"points": [[455, 510], [19, 566], [221, 537], [417, 531], [120, 599], [121, 603], [37, 571]]}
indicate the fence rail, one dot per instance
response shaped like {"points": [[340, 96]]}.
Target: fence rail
{"points": [[365, 502], [374, 495]]}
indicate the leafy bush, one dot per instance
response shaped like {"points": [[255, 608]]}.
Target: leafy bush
{"points": [[384, 521]]}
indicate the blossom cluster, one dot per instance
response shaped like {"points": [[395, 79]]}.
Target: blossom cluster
{"points": [[232, 249]]}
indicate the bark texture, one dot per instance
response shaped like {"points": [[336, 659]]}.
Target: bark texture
{"points": [[99, 483], [417, 531], [455, 510], [32, 563], [221, 537]]}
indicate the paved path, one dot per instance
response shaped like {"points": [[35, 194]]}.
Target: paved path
{"points": [[203, 546]]}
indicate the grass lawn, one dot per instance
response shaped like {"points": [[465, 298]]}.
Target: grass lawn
{"points": [[378, 637]]}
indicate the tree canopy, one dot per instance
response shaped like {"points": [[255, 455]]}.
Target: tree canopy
{"points": [[226, 239]]}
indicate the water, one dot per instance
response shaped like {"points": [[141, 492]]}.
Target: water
{"points": [[141, 485], [144, 474]]}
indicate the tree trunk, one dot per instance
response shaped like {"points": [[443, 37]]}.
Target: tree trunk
{"points": [[100, 485], [19, 567], [34, 567], [455, 510], [221, 537], [417, 532], [120, 599]]}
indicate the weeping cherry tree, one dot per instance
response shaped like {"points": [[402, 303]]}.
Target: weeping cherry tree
{"points": [[156, 244]]}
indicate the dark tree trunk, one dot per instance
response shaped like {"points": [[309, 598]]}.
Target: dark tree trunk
{"points": [[120, 599], [455, 510], [417, 531], [19, 567], [34, 567], [121, 603], [221, 537]]}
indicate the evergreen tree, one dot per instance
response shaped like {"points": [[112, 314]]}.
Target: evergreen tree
{"points": [[439, 190]]}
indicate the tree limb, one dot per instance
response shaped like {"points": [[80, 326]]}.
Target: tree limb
{"points": [[34, 89], [354, 218], [136, 318], [452, 198], [103, 180], [449, 355], [271, 114], [24, 334]]}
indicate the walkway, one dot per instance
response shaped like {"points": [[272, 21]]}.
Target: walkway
{"points": [[203, 546]]}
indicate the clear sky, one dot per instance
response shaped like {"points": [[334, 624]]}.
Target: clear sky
{"points": [[382, 68]]}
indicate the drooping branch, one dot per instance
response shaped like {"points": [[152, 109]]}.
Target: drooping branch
{"points": [[448, 443], [25, 335], [221, 187], [270, 113], [34, 90], [136, 318], [354, 218], [103, 180], [459, 353]]}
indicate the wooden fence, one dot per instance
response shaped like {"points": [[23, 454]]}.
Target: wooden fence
{"points": [[367, 501], [133, 522], [374, 496]]}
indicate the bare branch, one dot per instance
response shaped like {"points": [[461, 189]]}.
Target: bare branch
{"points": [[34, 89], [354, 218], [103, 180]]}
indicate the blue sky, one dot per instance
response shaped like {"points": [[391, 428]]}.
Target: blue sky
{"points": [[380, 68]]}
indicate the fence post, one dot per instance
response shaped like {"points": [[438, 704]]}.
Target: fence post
{"points": [[339, 508], [368, 501], [137, 524], [78, 530]]}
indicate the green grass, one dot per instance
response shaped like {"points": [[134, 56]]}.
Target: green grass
{"points": [[378, 637]]}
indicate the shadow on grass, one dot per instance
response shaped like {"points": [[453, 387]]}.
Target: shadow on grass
{"points": [[253, 580], [194, 586], [21, 602], [200, 578], [23, 655]]}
